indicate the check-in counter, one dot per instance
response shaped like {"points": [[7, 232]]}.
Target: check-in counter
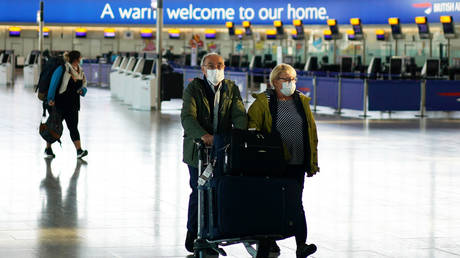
{"points": [[115, 75], [7, 67], [31, 75], [145, 87]]}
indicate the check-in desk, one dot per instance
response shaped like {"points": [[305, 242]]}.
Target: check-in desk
{"points": [[115, 74], [145, 87], [6, 68], [31, 75]]}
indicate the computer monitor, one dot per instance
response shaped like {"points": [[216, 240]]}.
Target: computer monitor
{"points": [[395, 66], [31, 59], [375, 66], [5, 57], [432, 67], [312, 64], [346, 65], [235, 60], [148, 67]]}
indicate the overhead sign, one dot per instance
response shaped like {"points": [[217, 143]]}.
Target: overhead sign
{"points": [[205, 12]]}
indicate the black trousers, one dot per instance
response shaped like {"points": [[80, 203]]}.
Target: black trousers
{"points": [[71, 119], [297, 172]]}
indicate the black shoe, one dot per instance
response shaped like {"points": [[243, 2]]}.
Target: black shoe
{"points": [[189, 241], [81, 153], [274, 248], [305, 250], [49, 153]]}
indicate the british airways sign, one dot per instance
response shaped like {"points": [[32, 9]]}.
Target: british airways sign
{"points": [[205, 12]]}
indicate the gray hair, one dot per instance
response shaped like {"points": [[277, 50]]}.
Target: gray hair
{"points": [[208, 54]]}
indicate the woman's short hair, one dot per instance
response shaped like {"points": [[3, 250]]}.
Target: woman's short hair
{"points": [[279, 69]]}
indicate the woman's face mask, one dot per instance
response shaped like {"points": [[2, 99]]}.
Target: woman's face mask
{"points": [[288, 88], [215, 76]]}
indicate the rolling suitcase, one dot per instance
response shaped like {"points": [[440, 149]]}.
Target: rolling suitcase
{"points": [[253, 206]]}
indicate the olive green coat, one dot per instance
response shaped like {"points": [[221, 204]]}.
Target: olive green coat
{"points": [[196, 115], [261, 119]]}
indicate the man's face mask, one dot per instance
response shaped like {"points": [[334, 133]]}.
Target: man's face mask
{"points": [[215, 76]]}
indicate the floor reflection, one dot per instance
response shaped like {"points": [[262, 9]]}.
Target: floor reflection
{"points": [[58, 235]]}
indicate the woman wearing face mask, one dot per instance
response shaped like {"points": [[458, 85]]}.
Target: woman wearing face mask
{"points": [[66, 97], [287, 111]]}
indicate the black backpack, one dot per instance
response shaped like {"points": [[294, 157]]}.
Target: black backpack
{"points": [[45, 76]]}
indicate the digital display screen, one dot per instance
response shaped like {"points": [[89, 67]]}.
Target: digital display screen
{"points": [[271, 36], [248, 31], [146, 35], [380, 37], [422, 28], [210, 35], [15, 33], [174, 35], [448, 28], [351, 37], [358, 30], [109, 34], [148, 67], [396, 29], [327, 37], [80, 34]]}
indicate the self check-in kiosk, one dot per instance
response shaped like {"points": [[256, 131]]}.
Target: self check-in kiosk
{"points": [[7, 67], [125, 87], [131, 78], [145, 86], [31, 69], [113, 74], [115, 78]]}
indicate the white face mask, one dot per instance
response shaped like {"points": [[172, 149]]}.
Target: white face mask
{"points": [[288, 88], [215, 76]]}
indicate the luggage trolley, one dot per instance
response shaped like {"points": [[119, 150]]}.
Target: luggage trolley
{"points": [[254, 228]]}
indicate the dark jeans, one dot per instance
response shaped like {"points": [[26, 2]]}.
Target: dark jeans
{"points": [[192, 221], [297, 172]]}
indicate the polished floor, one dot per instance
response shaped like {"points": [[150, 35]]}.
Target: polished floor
{"points": [[387, 188]]}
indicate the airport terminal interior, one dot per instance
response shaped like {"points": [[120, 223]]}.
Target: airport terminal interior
{"points": [[384, 90]]}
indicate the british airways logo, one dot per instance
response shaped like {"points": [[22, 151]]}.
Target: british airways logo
{"points": [[427, 6]]}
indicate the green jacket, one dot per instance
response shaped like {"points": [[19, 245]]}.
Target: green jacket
{"points": [[196, 115], [261, 119]]}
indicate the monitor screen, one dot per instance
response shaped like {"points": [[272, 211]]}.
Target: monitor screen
{"points": [[210, 35], [396, 29], [248, 31], [381, 37], [345, 66], [5, 58], [31, 59], [422, 28], [448, 28], [15, 33], [432, 67], [358, 30], [174, 36], [327, 37], [395, 65], [109, 35], [80, 34], [148, 66], [271, 37]]}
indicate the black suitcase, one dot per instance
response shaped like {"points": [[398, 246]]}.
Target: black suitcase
{"points": [[252, 206], [253, 153]]}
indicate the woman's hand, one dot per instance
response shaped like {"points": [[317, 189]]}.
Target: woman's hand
{"points": [[51, 103], [207, 139]]}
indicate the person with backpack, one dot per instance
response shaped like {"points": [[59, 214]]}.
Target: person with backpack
{"points": [[68, 83]]}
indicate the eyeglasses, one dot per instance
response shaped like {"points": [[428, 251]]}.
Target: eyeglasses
{"points": [[212, 66], [288, 79]]}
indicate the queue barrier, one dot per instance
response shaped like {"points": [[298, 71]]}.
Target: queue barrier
{"points": [[442, 95], [394, 95]]}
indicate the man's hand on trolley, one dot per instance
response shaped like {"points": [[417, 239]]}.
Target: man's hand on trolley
{"points": [[207, 139]]}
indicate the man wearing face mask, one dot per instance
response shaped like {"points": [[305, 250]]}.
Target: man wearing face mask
{"points": [[211, 105], [287, 111]]}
